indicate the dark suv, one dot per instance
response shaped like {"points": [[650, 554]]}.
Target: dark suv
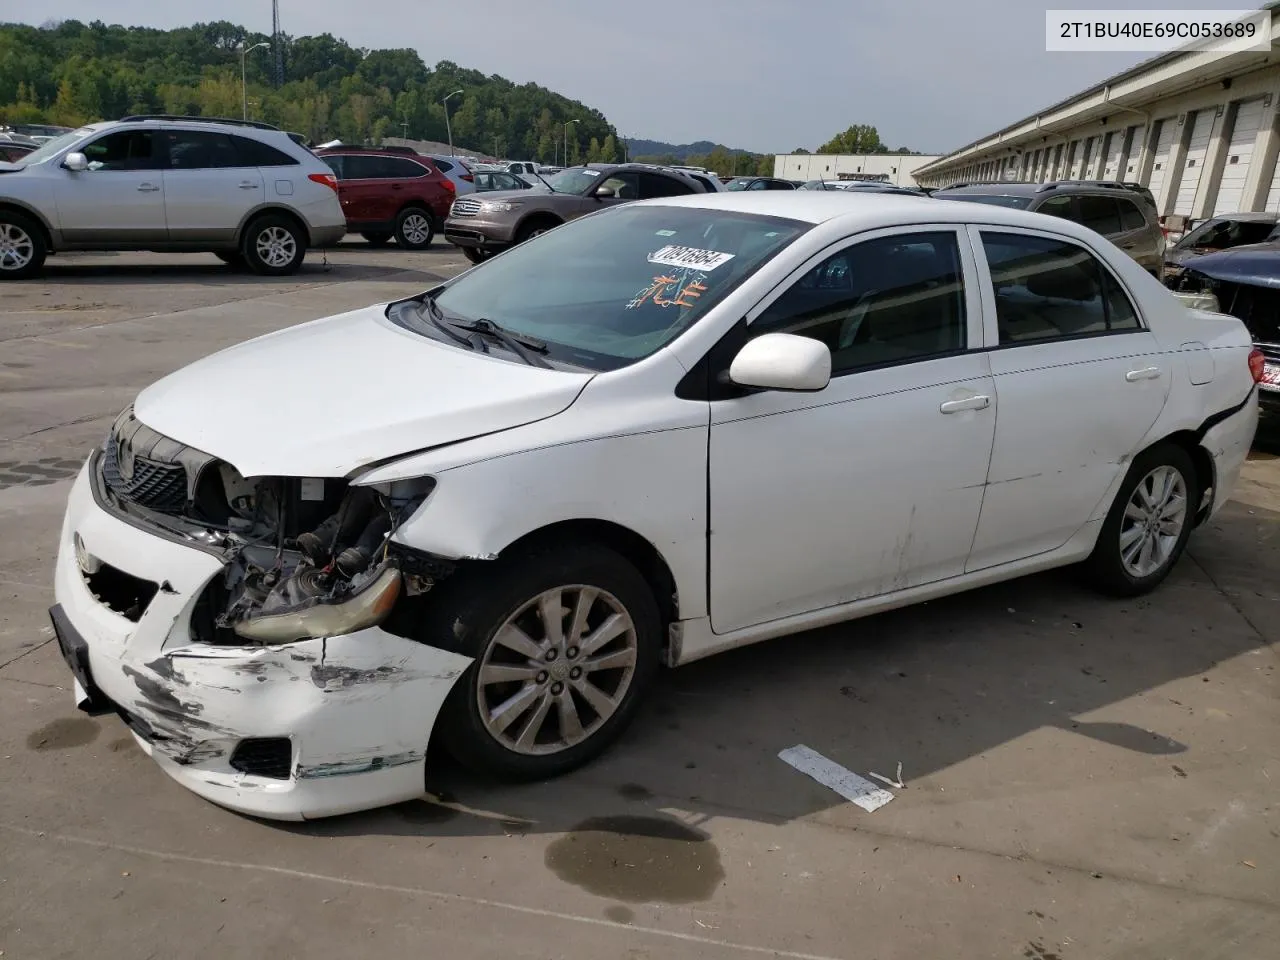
{"points": [[487, 223], [1124, 213], [390, 192]]}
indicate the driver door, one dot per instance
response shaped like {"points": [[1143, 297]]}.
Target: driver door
{"points": [[873, 484], [119, 200]]}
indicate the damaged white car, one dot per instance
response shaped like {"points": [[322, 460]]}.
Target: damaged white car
{"points": [[487, 515]]}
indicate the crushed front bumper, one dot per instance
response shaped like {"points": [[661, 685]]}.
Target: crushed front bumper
{"points": [[350, 717]]}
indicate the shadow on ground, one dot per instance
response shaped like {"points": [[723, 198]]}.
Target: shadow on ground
{"points": [[931, 685]]}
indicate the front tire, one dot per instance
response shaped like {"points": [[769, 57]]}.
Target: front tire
{"points": [[1149, 523], [475, 254], [534, 229], [414, 229], [565, 642], [22, 246], [376, 239], [274, 246]]}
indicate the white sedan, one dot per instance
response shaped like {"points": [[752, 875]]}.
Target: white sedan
{"points": [[489, 514]]}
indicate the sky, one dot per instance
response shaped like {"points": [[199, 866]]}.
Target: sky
{"points": [[762, 75]]}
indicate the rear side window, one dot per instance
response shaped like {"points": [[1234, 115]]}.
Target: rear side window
{"points": [[126, 150], [397, 168], [1131, 217], [254, 153], [359, 167], [444, 165], [1058, 207], [1048, 289], [1100, 214]]}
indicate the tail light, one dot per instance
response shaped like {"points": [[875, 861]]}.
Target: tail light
{"points": [[328, 179], [1257, 364], [448, 185], [468, 177]]}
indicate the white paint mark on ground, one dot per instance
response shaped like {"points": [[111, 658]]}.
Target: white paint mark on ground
{"points": [[830, 774]]}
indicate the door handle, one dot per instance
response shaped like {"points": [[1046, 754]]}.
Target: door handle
{"points": [[148, 187], [246, 185], [396, 186], [969, 403], [1146, 373]]}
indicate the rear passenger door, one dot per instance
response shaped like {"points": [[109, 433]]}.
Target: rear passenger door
{"points": [[208, 186], [1079, 380], [1138, 237]]}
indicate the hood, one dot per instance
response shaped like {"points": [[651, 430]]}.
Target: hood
{"points": [[327, 398], [1255, 264], [6, 167]]}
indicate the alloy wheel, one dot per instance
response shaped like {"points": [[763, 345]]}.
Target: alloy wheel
{"points": [[276, 247], [557, 670], [416, 229], [16, 247], [1153, 522]]}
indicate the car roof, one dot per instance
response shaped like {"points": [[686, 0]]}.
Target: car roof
{"points": [[867, 210], [1247, 217]]}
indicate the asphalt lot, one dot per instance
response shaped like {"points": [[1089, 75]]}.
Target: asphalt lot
{"points": [[1085, 778]]}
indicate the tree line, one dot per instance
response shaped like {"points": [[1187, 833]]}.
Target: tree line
{"points": [[72, 73]]}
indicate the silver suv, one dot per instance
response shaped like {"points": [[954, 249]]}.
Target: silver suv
{"points": [[244, 191]]}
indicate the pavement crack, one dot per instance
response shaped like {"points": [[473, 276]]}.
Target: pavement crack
{"points": [[1230, 600], [26, 653]]}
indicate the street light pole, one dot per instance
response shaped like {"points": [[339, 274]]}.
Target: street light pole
{"points": [[404, 125], [244, 86], [566, 141], [447, 125]]}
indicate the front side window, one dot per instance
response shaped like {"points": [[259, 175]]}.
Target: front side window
{"points": [[611, 288], [127, 150], [1048, 289], [1061, 206], [738, 184], [625, 186], [883, 301]]}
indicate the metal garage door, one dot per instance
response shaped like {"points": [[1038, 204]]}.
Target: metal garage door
{"points": [[1239, 155], [1193, 166], [1160, 163], [1115, 146], [1131, 170], [1073, 161], [1273, 195]]}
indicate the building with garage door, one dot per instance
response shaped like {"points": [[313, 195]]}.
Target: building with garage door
{"points": [[1200, 129]]}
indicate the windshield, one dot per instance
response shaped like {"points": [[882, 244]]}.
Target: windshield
{"points": [[1019, 203], [1224, 234], [56, 145], [573, 180], [611, 288], [739, 184]]}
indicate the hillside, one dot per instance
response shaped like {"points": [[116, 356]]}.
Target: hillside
{"points": [[680, 151], [71, 73]]}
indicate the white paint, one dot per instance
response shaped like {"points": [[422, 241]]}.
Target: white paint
{"points": [[857, 790], [1239, 156], [868, 522], [1160, 161], [1193, 161]]}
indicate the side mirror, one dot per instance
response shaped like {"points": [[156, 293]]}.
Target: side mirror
{"points": [[782, 361], [604, 193], [76, 162]]}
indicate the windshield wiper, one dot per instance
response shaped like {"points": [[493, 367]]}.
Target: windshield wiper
{"points": [[517, 343], [438, 319]]}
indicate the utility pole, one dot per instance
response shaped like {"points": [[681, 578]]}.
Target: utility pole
{"points": [[244, 86], [277, 39], [566, 141], [447, 125], [404, 125]]}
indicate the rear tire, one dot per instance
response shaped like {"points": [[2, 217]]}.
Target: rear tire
{"points": [[376, 239], [575, 700], [274, 246], [414, 229], [1148, 525], [22, 246]]}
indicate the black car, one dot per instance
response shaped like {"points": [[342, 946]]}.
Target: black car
{"points": [[1218, 234], [759, 183]]}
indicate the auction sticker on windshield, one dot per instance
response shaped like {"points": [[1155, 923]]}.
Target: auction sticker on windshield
{"points": [[677, 256]]}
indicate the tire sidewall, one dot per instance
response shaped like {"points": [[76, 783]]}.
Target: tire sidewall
{"points": [[473, 615], [249, 248], [405, 214], [1106, 564], [39, 249]]}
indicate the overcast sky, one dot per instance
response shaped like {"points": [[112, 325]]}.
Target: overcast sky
{"points": [[764, 75]]}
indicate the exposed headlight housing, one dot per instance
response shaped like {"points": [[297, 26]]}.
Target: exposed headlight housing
{"points": [[366, 607]]}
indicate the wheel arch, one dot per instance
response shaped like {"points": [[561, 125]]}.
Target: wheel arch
{"points": [[14, 206], [537, 217], [1206, 471], [257, 213]]}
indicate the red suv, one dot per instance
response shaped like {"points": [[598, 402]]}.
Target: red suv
{"points": [[390, 192]]}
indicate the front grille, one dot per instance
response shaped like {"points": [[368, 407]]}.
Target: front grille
{"points": [[160, 486], [264, 757], [465, 207]]}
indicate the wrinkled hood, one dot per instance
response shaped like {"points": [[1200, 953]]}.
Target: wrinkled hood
{"points": [[327, 398], [1255, 264]]}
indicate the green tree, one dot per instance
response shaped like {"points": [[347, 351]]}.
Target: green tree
{"points": [[859, 138], [609, 150], [593, 151]]}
